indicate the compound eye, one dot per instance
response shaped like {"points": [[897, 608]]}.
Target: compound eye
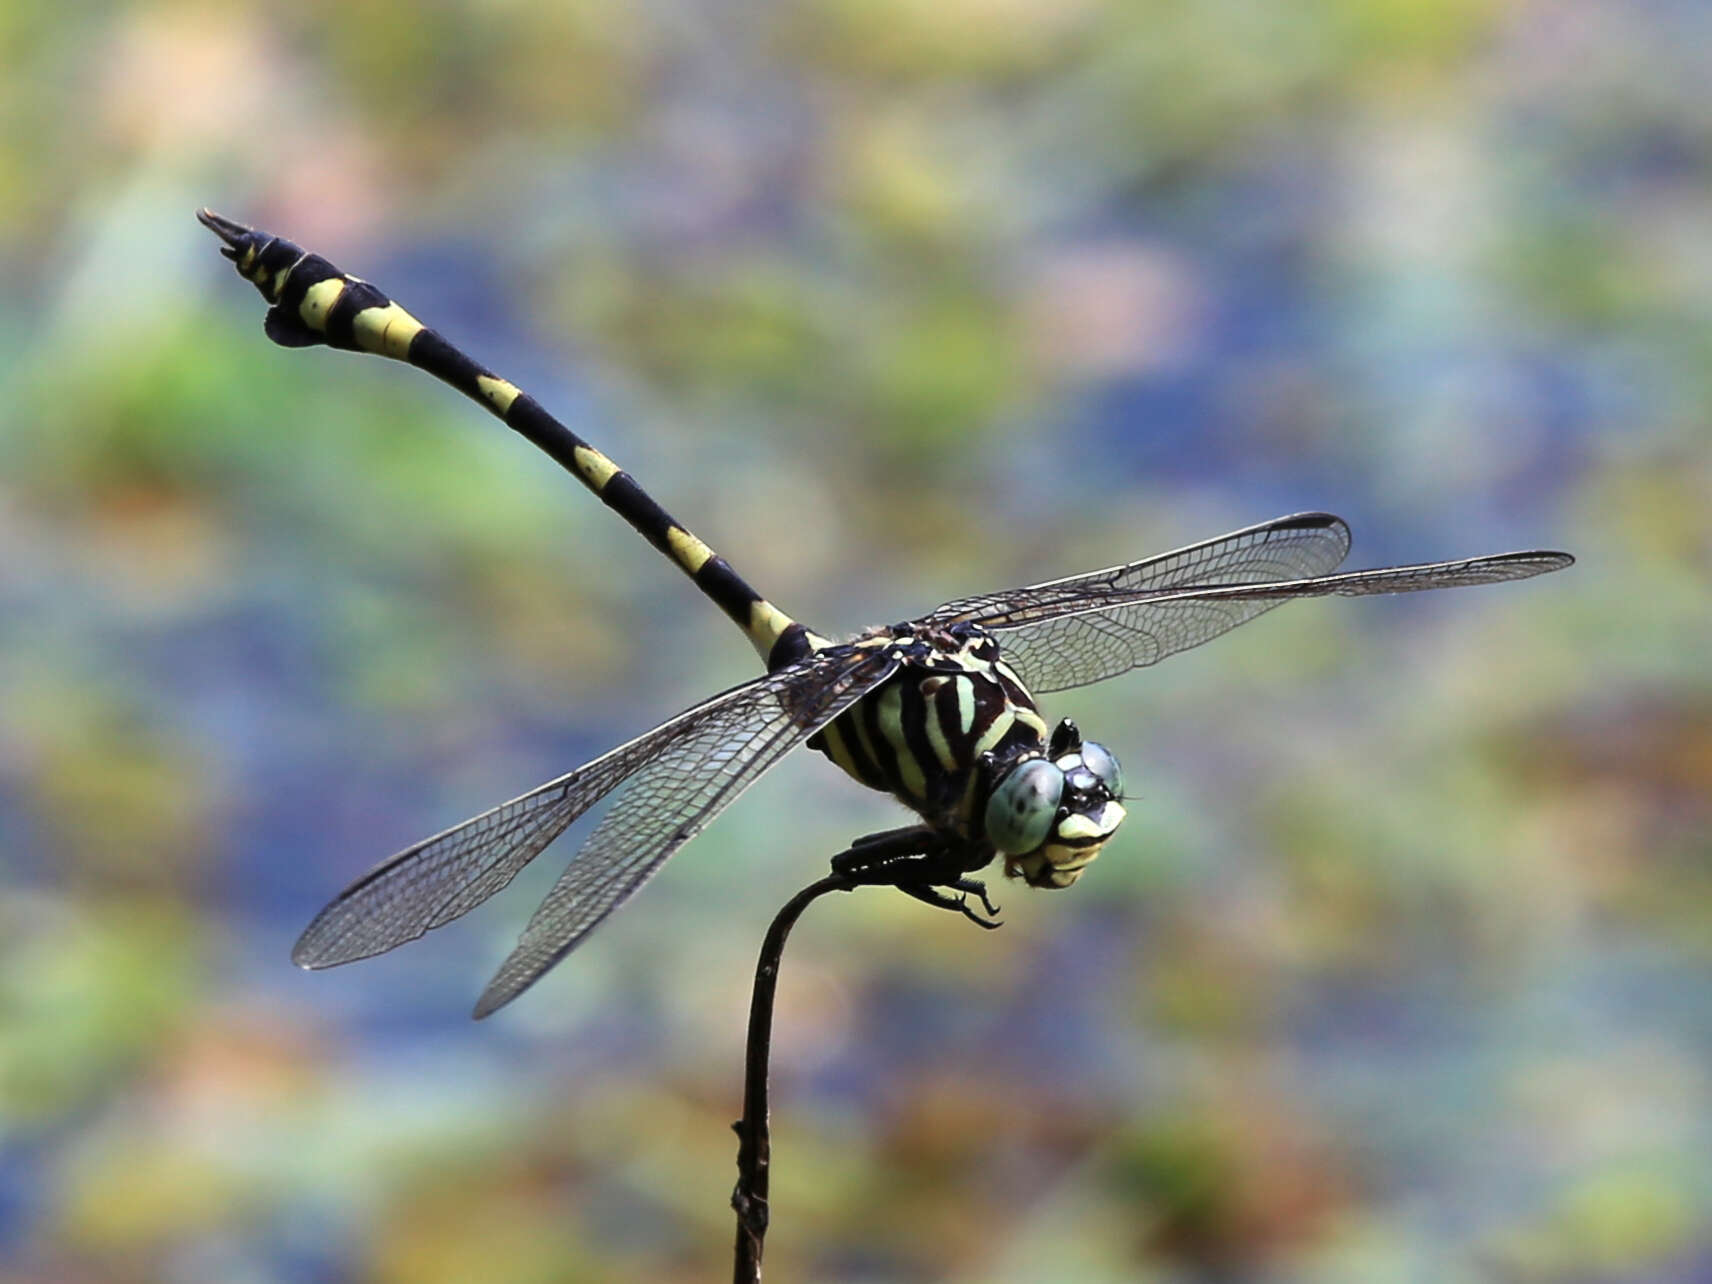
{"points": [[1098, 759], [1021, 811]]}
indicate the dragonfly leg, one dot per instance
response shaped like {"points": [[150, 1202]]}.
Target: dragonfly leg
{"points": [[919, 862], [908, 840], [976, 888], [930, 894], [911, 854]]}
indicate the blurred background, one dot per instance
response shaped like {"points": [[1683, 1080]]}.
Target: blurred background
{"points": [[1399, 970]]}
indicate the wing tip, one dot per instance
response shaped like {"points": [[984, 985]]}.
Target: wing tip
{"points": [[312, 953], [309, 950], [1312, 520], [523, 968], [1539, 561], [500, 991], [328, 942], [1315, 520]]}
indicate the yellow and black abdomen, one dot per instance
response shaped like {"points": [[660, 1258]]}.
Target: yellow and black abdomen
{"points": [[313, 302]]}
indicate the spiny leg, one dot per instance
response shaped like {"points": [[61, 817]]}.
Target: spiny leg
{"points": [[919, 862], [930, 894]]}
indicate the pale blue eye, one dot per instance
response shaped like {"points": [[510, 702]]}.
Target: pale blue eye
{"points": [[1022, 808], [1098, 759]]}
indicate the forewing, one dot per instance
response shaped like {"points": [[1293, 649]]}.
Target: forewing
{"points": [[672, 796], [443, 877], [1154, 623], [1069, 632], [1499, 568]]}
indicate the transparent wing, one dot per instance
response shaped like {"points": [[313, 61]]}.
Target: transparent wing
{"points": [[1077, 630], [1497, 568], [683, 772], [1088, 627], [682, 786]]}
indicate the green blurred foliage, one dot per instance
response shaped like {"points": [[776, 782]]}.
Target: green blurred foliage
{"points": [[1398, 970]]}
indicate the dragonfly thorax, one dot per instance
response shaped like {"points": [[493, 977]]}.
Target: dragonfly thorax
{"points": [[925, 735], [956, 736]]}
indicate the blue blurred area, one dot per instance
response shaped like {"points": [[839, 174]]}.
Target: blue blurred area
{"points": [[1398, 969]]}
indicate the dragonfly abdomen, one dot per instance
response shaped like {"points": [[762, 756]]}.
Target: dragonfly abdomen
{"points": [[313, 302]]}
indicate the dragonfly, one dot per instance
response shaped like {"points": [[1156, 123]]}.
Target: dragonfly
{"points": [[939, 711]]}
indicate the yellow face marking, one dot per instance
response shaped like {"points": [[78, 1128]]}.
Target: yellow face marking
{"points": [[500, 393], [595, 467], [1069, 860], [766, 624], [1038, 871], [890, 715], [318, 300], [386, 331], [1078, 828], [691, 553], [1076, 825]]}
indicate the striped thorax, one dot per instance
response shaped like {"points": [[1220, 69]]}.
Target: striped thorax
{"points": [[956, 737]]}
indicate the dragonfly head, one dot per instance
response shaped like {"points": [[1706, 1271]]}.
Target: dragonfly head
{"points": [[1050, 813]]}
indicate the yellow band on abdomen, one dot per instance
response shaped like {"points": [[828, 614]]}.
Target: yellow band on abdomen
{"points": [[386, 331]]}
